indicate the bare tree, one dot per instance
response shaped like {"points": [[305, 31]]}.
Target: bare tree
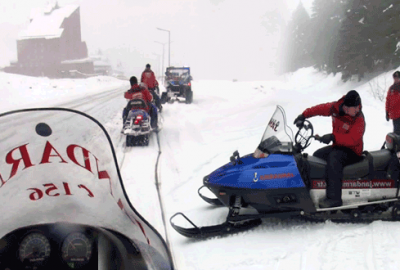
{"points": [[378, 87]]}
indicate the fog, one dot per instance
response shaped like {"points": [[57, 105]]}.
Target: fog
{"points": [[218, 39]]}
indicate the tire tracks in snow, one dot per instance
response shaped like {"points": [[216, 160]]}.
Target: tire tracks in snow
{"points": [[124, 150], [158, 184]]}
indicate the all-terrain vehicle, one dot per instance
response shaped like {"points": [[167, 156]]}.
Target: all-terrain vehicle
{"points": [[178, 84], [279, 180]]}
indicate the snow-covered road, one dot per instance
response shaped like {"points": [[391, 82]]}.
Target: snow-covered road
{"points": [[198, 138]]}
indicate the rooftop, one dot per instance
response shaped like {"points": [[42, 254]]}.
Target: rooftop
{"points": [[46, 23]]}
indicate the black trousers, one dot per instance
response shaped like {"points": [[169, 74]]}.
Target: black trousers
{"points": [[124, 115], [396, 126], [156, 98], [337, 158]]}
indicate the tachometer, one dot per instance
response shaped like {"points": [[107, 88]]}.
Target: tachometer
{"points": [[77, 249], [35, 248]]}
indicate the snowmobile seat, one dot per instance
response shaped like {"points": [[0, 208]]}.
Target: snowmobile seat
{"points": [[360, 169], [381, 159], [137, 104]]}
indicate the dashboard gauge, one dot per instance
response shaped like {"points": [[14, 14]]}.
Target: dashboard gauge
{"points": [[77, 249], [35, 248]]}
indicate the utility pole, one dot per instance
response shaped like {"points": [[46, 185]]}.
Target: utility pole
{"points": [[162, 74], [169, 44]]}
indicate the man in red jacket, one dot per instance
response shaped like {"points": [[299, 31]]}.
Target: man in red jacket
{"points": [[138, 92], [348, 130], [393, 103], [150, 80]]}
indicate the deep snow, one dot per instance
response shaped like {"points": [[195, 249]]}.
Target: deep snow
{"points": [[196, 139]]}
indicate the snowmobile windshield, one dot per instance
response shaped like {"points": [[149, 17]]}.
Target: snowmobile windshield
{"points": [[276, 138], [59, 165], [179, 72]]}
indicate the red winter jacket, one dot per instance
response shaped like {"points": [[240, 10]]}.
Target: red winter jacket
{"points": [[149, 78], [347, 131], [139, 92], [393, 101]]}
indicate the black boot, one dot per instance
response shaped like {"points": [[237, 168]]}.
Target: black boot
{"points": [[328, 203]]}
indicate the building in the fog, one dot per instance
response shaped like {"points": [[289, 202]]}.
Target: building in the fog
{"points": [[101, 64], [51, 45]]}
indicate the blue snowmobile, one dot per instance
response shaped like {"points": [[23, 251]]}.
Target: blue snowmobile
{"points": [[279, 180]]}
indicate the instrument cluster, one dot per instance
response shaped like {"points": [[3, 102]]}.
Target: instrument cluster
{"points": [[60, 246]]}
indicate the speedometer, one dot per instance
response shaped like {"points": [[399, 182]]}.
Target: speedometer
{"points": [[34, 248], [77, 250]]}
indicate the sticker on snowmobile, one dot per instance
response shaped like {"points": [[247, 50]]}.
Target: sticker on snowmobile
{"points": [[274, 124], [360, 193], [25, 156], [37, 193], [357, 184], [365, 193], [255, 179], [276, 176]]}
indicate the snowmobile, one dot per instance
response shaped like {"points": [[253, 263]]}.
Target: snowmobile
{"points": [[62, 199], [280, 180], [138, 124]]}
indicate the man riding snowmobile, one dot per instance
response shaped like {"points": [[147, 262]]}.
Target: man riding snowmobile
{"points": [[348, 130], [150, 80], [139, 92]]}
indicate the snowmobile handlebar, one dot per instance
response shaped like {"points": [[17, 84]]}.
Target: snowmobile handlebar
{"points": [[316, 137], [303, 135]]}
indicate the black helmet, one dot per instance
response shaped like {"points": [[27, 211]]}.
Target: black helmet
{"points": [[352, 99], [133, 80], [148, 66], [396, 74]]}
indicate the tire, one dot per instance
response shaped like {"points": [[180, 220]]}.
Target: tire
{"points": [[189, 96]]}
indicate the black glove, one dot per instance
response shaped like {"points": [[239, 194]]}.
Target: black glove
{"points": [[327, 138], [299, 121], [387, 116]]}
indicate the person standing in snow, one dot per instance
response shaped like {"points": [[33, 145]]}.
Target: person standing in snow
{"points": [[348, 130], [393, 103], [150, 80]]}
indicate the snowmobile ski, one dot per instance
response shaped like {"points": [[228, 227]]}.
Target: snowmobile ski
{"points": [[215, 230]]}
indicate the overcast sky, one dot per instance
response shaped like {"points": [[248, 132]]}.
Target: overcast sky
{"points": [[218, 39]]}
